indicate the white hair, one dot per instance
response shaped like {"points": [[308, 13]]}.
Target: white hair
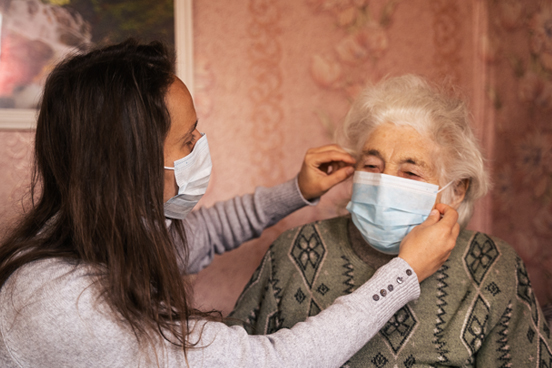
{"points": [[443, 117]]}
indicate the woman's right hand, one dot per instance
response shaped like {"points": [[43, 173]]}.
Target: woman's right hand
{"points": [[323, 168], [429, 244]]}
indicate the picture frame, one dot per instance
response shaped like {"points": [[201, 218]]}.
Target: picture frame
{"points": [[25, 119]]}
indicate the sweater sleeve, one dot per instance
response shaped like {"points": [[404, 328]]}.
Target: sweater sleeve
{"points": [[50, 316], [228, 224], [325, 340]]}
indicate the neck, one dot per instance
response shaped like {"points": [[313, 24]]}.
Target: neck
{"points": [[364, 251]]}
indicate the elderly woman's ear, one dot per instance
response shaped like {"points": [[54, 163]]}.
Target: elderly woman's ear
{"points": [[460, 190]]}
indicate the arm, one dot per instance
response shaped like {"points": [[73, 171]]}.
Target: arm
{"points": [[270, 299], [325, 340], [228, 224], [51, 315], [58, 320]]}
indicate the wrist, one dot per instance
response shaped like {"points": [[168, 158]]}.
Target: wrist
{"points": [[307, 199]]}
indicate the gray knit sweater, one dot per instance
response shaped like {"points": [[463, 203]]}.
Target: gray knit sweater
{"points": [[477, 310], [51, 315]]}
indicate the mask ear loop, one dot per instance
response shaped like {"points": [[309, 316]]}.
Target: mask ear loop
{"points": [[445, 187]]}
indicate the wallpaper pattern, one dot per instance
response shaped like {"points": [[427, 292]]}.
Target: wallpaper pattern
{"points": [[447, 39], [343, 66], [264, 57], [520, 55], [15, 158]]}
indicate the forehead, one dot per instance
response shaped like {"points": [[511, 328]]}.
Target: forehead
{"points": [[400, 142], [181, 108]]}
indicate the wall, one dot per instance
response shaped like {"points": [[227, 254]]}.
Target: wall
{"points": [[519, 56], [15, 158], [273, 78]]}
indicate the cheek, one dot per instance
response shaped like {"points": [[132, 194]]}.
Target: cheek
{"points": [[171, 188]]}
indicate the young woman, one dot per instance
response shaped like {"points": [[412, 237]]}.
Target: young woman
{"points": [[95, 273]]}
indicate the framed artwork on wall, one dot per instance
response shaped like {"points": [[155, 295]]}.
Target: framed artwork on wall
{"points": [[36, 34]]}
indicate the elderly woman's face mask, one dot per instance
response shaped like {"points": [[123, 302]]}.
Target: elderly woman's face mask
{"points": [[395, 186], [386, 208]]}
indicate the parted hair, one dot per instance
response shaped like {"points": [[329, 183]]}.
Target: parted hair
{"points": [[436, 113], [97, 186]]}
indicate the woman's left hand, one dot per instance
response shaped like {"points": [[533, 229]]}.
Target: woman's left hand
{"points": [[323, 168]]}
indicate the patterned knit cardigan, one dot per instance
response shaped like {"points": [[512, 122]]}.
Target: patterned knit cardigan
{"points": [[478, 310]]}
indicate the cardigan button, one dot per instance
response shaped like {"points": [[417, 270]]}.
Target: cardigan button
{"points": [[376, 297], [399, 280], [390, 287], [383, 292], [409, 272]]}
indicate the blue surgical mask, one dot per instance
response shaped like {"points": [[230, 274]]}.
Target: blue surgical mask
{"points": [[192, 175], [385, 208]]}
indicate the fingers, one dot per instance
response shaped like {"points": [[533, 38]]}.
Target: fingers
{"points": [[450, 216], [324, 167], [328, 156], [449, 220], [337, 177], [327, 147], [429, 244]]}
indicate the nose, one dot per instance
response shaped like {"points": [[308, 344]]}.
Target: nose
{"points": [[389, 170]]}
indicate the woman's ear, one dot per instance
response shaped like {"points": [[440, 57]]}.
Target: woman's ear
{"points": [[460, 189]]}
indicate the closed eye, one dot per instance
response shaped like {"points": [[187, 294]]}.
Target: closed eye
{"points": [[372, 168], [411, 175]]}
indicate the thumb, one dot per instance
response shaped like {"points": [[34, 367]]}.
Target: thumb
{"points": [[433, 218]]}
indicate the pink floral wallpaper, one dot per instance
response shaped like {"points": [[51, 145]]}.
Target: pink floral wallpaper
{"points": [[520, 62], [273, 78], [15, 159]]}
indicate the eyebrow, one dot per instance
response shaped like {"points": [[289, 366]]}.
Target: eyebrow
{"points": [[373, 152], [406, 160]]}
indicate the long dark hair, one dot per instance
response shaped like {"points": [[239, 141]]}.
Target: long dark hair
{"points": [[97, 185]]}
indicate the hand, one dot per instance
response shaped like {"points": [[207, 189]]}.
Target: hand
{"points": [[429, 244], [323, 168]]}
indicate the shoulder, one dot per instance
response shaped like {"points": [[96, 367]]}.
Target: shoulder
{"points": [[47, 276], [306, 248], [50, 310], [489, 262], [52, 295], [480, 245], [50, 287], [52, 271]]}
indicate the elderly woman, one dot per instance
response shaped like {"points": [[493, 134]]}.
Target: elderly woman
{"points": [[415, 149]]}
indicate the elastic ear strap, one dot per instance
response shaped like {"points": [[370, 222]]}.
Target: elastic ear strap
{"points": [[445, 187]]}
